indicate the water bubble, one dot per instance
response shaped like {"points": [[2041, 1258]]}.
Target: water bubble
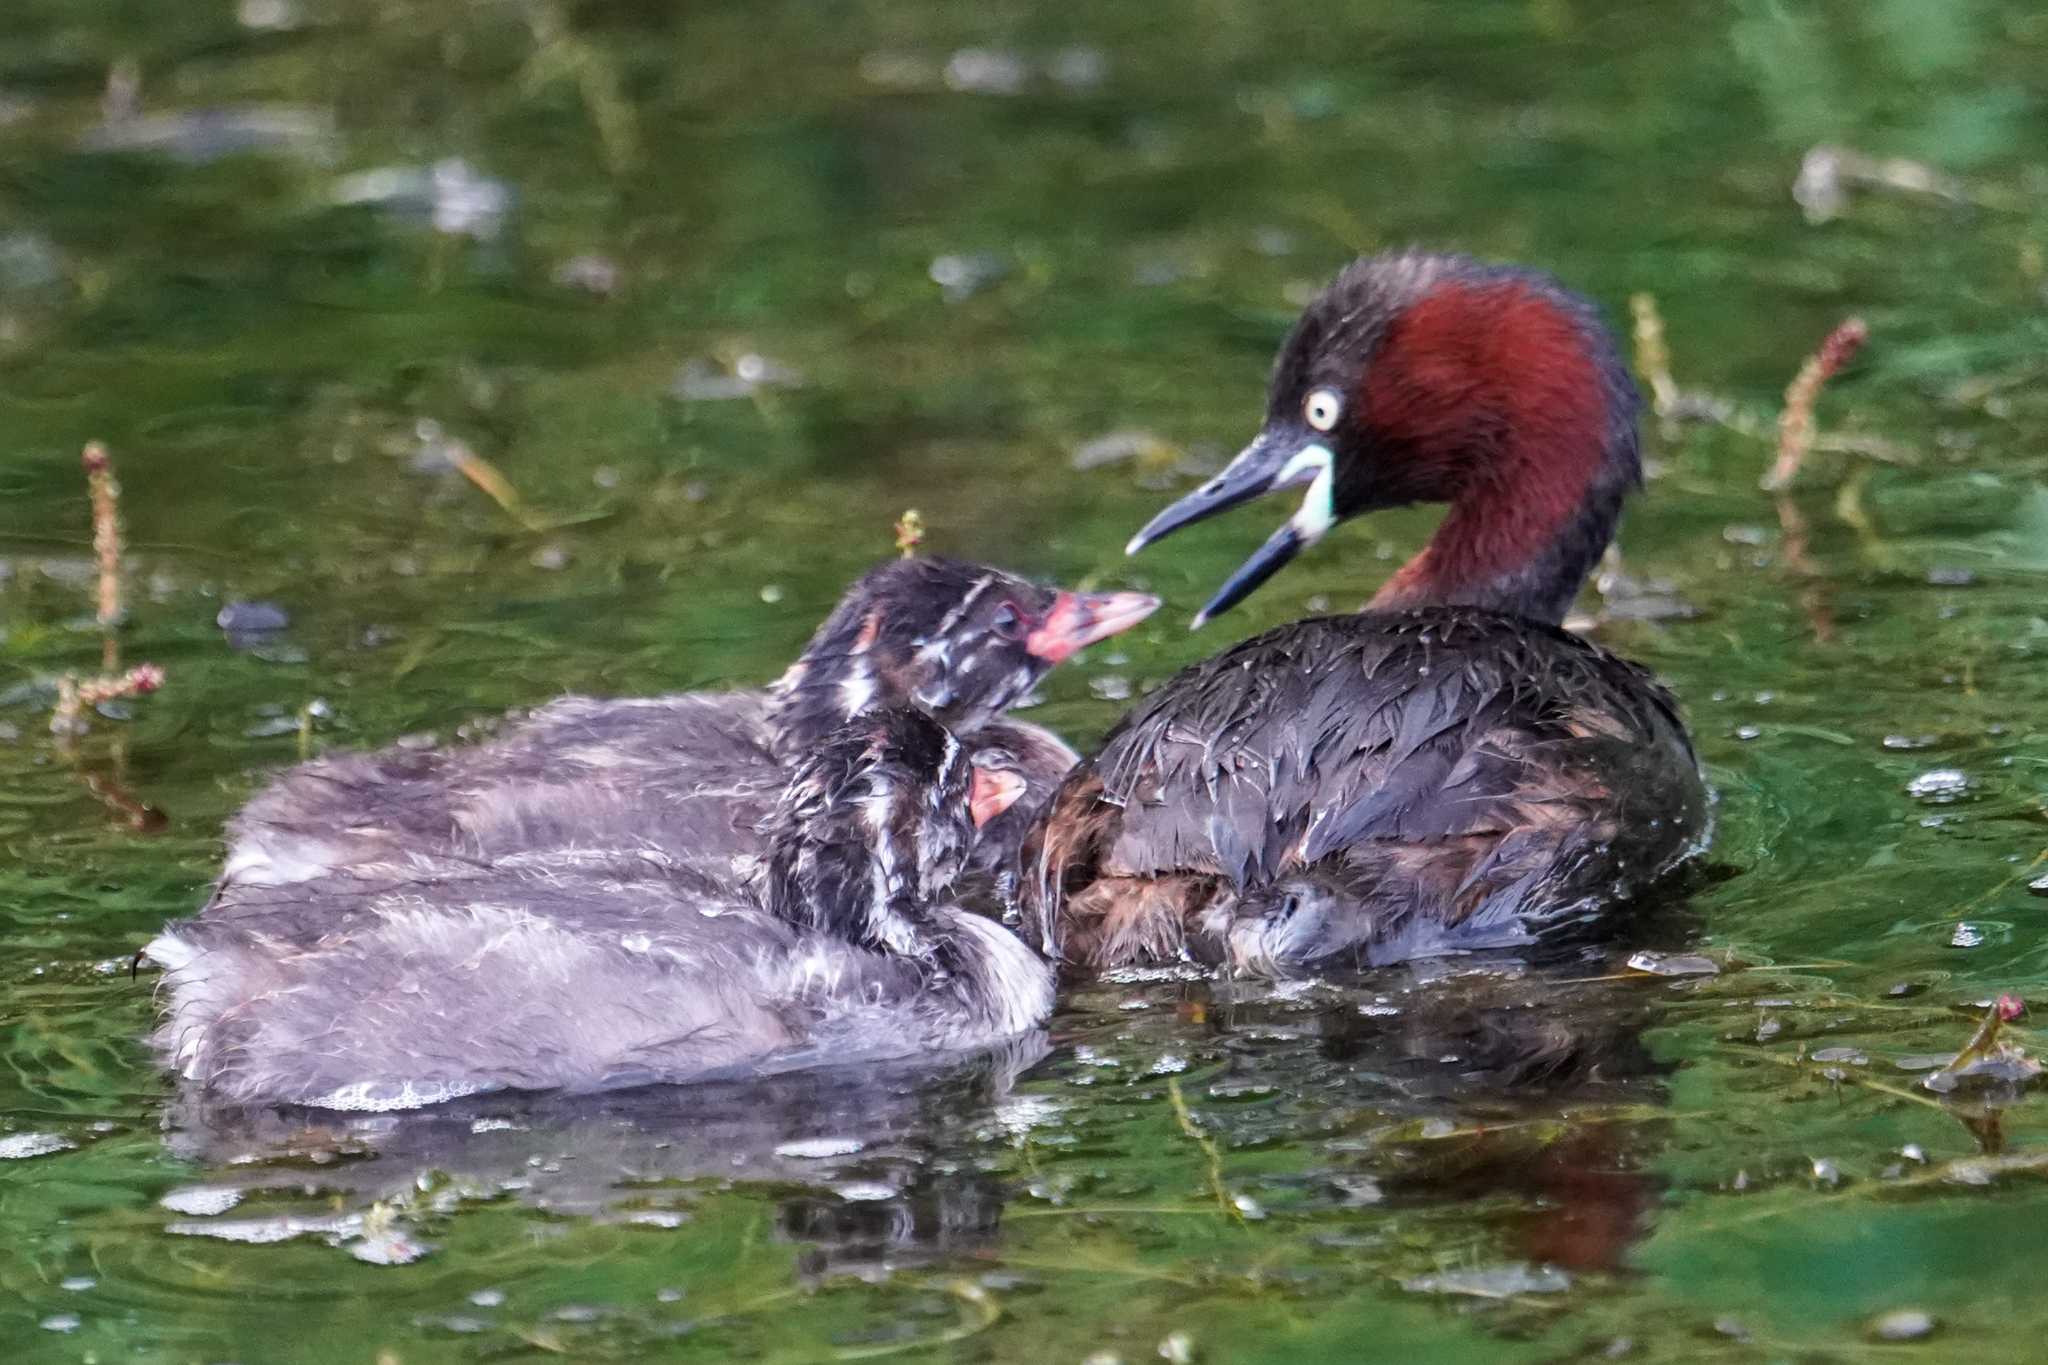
{"points": [[201, 1201], [18, 1146], [488, 1298], [1939, 786], [1966, 935], [960, 276], [61, 1322], [1492, 1282], [985, 71], [1902, 1324], [816, 1149]]}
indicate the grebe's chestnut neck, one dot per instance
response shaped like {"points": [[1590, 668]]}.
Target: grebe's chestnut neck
{"points": [[1434, 378]]}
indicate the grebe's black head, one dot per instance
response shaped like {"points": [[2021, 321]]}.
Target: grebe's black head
{"points": [[1423, 377], [960, 641], [875, 826]]}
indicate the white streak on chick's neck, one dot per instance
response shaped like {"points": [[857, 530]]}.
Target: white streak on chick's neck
{"points": [[857, 688], [875, 808]]}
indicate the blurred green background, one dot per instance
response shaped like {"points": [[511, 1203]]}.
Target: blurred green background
{"points": [[719, 289]]}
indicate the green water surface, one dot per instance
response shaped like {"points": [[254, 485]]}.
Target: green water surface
{"points": [[958, 244]]}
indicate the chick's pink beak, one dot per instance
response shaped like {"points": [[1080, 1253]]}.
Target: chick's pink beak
{"points": [[1079, 619], [994, 791]]}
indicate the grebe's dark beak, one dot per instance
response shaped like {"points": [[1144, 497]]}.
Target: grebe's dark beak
{"points": [[1270, 463], [1079, 619]]}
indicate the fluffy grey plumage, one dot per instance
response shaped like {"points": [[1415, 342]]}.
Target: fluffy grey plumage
{"points": [[426, 978], [692, 776]]}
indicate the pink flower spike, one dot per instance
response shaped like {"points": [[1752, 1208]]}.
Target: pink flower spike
{"points": [[2011, 1007]]}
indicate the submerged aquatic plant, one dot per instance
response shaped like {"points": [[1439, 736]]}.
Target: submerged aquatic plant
{"points": [[1795, 424], [76, 695]]}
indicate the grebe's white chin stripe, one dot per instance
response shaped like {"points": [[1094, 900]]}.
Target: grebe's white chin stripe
{"points": [[1316, 466]]}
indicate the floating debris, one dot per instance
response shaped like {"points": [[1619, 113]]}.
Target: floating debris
{"points": [[817, 1149], [21, 1146], [201, 1201], [1115, 447], [1110, 687], [599, 275], [865, 1191], [252, 618], [1986, 1057], [1902, 1324], [201, 136], [451, 196], [1940, 786], [986, 71], [30, 264], [1827, 173], [268, 1231], [1674, 964], [1492, 1282], [269, 16], [1966, 935], [961, 276], [706, 381]]}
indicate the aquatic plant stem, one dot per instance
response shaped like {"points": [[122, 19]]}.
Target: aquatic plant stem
{"points": [[1215, 1158], [1795, 424]]}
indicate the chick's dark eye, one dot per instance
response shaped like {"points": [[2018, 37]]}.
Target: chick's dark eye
{"points": [[1008, 622]]}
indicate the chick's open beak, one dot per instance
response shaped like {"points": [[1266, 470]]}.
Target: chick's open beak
{"points": [[1079, 619], [1270, 463], [994, 791]]}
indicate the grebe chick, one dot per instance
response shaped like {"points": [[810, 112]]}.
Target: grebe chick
{"points": [[589, 970], [692, 775]]}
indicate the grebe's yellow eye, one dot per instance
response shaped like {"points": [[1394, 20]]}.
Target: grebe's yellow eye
{"points": [[1322, 408]]}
